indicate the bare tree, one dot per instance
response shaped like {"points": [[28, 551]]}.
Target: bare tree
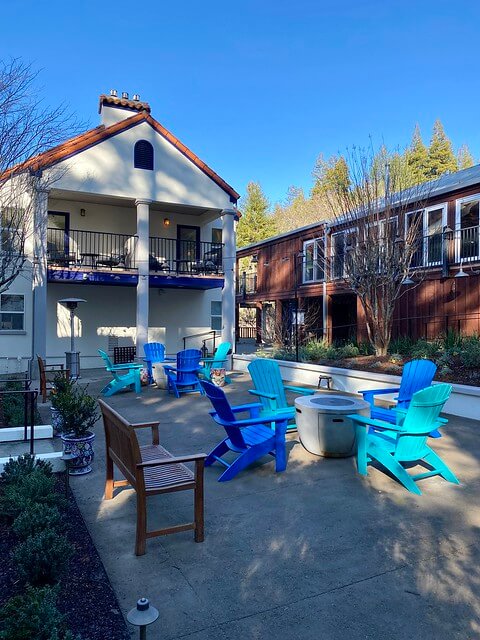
{"points": [[27, 128], [379, 242]]}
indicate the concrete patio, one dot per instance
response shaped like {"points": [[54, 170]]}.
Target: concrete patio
{"points": [[315, 552]]}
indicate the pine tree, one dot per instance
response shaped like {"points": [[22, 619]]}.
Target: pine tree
{"points": [[441, 158], [255, 223], [417, 158], [330, 175], [464, 157]]}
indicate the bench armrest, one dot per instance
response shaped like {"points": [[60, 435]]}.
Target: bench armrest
{"points": [[197, 457], [153, 425]]}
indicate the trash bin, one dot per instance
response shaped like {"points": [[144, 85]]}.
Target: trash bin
{"points": [[159, 375], [73, 363], [322, 424]]}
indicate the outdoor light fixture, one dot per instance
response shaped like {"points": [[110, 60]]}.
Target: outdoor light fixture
{"points": [[82, 212], [406, 281], [166, 222], [142, 615], [461, 273], [255, 259], [72, 356]]}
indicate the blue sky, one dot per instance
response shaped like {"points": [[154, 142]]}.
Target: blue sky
{"points": [[259, 89]]}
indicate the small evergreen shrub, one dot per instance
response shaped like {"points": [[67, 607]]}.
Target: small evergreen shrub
{"points": [[402, 345], [78, 411], [349, 350], [36, 518], [470, 354], [430, 350], [13, 407], [33, 616], [42, 558], [17, 468], [36, 487]]}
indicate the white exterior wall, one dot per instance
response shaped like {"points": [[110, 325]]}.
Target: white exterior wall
{"points": [[16, 346], [110, 310], [107, 169]]}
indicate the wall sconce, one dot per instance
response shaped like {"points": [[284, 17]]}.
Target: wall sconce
{"points": [[166, 222], [82, 212]]}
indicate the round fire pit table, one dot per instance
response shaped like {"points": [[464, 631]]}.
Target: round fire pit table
{"points": [[322, 424]]}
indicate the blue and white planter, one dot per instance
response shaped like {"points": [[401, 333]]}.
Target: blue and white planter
{"points": [[82, 449], [57, 422]]}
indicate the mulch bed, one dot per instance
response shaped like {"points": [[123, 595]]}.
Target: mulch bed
{"points": [[86, 595], [383, 364]]}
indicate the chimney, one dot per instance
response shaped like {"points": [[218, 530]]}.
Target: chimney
{"points": [[112, 109]]}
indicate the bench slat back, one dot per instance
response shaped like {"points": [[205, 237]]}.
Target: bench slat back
{"points": [[121, 443]]}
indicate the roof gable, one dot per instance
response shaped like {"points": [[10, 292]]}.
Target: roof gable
{"points": [[101, 133]]}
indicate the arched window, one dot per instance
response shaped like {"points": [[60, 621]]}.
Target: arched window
{"points": [[143, 155]]}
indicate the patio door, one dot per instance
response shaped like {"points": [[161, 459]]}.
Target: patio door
{"points": [[58, 240], [188, 246], [468, 220]]}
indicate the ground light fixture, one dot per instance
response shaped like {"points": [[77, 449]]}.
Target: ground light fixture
{"points": [[72, 356], [142, 615]]}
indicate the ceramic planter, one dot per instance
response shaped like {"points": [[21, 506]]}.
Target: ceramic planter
{"points": [[82, 448], [56, 422]]}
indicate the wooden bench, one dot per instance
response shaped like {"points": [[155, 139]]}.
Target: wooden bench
{"points": [[150, 470]]}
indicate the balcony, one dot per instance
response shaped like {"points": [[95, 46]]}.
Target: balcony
{"points": [[111, 258], [246, 284]]}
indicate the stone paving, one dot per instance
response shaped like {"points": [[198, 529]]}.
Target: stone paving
{"points": [[315, 552]]}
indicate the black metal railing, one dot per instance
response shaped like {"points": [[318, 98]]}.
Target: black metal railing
{"points": [[212, 336], [10, 390], [92, 249], [182, 256]]}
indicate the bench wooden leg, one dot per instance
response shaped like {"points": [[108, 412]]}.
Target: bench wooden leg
{"points": [[199, 502], [109, 479], [141, 535]]}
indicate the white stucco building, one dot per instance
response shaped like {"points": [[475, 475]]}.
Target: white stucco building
{"points": [[138, 226]]}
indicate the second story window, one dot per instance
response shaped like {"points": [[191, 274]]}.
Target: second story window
{"points": [[313, 266], [143, 155]]}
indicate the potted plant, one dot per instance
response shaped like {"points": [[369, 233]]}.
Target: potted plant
{"points": [[78, 413], [61, 385]]}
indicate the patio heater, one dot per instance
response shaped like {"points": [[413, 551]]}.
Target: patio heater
{"points": [[72, 356]]}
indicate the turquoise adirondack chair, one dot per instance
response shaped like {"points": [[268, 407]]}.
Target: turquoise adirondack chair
{"points": [[270, 389], [184, 377], [409, 444], [218, 361], [154, 352], [416, 375], [249, 437], [124, 375]]}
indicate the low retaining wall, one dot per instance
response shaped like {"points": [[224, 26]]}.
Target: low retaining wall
{"points": [[464, 401]]}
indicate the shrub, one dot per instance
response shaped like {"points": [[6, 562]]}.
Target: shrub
{"points": [[470, 354], [452, 340], [425, 349], [402, 345], [78, 411], [37, 517], [314, 350], [42, 558], [61, 387], [13, 407], [33, 616], [283, 353], [36, 487], [349, 350], [17, 468]]}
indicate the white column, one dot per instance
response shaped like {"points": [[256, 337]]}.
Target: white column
{"points": [[143, 226], [39, 284], [228, 292]]}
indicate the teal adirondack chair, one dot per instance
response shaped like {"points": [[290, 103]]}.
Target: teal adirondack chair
{"points": [[409, 445], [270, 389], [130, 376], [218, 361], [416, 375]]}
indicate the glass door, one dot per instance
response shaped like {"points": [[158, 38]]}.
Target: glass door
{"points": [[468, 223], [188, 247], [434, 223], [58, 245]]}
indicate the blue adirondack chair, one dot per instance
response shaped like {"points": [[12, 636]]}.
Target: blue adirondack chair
{"points": [[154, 352], [408, 445], [218, 361], [270, 389], [250, 438], [416, 375], [184, 377], [124, 375]]}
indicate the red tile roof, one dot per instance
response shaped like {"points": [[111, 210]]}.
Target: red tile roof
{"points": [[94, 136]]}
